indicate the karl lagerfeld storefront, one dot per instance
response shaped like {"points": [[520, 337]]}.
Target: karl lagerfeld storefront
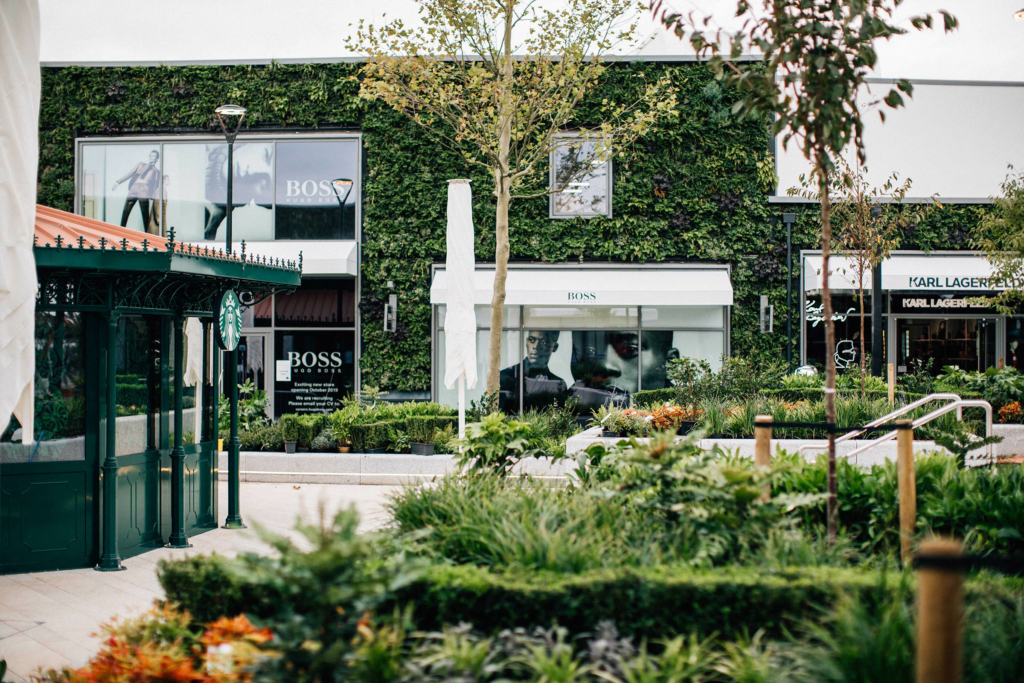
{"points": [[594, 332], [928, 310]]}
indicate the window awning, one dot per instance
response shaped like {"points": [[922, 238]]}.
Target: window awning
{"points": [[319, 257], [599, 286], [935, 271]]}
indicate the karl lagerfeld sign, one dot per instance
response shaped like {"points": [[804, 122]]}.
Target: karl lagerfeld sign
{"points": [[958, 302], [953, 282]]}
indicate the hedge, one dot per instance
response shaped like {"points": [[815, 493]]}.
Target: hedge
{"points": [[374, 434], [644, 603], [655, 397], [421, 428]]}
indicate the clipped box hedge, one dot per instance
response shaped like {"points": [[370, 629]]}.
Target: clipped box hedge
{"points": [[421, 428], [652, 602]]}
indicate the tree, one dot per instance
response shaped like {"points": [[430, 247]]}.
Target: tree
{"points": [[1000, 234], [817, 55], [866, 233], [499, 81]]}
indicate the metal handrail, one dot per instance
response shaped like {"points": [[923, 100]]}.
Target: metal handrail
{"points": [[958, 406], [885, 418]]}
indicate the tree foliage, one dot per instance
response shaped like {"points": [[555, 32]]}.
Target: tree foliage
{"points": [[1000, 235]]}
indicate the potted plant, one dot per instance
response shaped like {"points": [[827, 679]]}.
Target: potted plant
{"points": [[420, 429], [341, 425], [290, 428]]}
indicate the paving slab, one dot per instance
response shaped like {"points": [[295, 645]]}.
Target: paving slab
{"points": [[53, 619]]}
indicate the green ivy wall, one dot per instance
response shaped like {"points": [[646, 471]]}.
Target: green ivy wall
{"points": [[714, 172]]}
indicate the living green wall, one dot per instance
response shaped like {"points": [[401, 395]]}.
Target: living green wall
{"points": [[713, 171]]}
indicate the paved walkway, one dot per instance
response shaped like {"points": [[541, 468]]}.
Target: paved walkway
{"points": [[50, 619]]}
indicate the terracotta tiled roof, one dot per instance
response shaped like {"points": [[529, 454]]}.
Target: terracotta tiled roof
{"points": [[52, 222]]}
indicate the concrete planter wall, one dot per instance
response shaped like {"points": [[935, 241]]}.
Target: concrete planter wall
{"points": [[745, 447], [1013, 439]]}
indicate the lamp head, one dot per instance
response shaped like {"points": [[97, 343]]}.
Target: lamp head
{"points": [[230, 110], [789, 218], [342, 186], [1019, 14]]}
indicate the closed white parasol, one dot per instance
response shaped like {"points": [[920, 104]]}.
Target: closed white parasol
{"points": [[459, 320], [19, 161]]}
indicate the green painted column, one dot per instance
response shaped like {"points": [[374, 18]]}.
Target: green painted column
{"points": [[110, 559], [215, 420], [178, 538], [234, 518]]}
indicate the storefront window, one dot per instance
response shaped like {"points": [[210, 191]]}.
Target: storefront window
{"points": [[121, 184], [318, 303], [195, 190], [585, 193], [966, 343], [1015, 343], [320, 370], [295, 189], [508, 396], [580, 317], [683, 316], [317, 190], [60, 376], [846, 316], [483, 316]]}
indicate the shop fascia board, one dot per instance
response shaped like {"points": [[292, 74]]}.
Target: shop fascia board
{"points": [[904, 271], [160, 261], [319, 257]]}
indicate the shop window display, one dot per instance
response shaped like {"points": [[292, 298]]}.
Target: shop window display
{"points": [[321, 370], [966, 343], [846, 316], [60, 376]]}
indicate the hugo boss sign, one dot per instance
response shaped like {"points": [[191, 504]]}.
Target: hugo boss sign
{"points": [[582, 296], [322, 360]]}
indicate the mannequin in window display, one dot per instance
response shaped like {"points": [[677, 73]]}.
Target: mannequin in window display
{"points": [[540, 385], [249, 186], [143, 185]]}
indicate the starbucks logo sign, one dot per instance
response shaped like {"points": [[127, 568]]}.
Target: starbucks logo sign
{"points": [[229, 321]]}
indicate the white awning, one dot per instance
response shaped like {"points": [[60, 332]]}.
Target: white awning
{"points": [[935, 271], [319, 257], [599, 286]]}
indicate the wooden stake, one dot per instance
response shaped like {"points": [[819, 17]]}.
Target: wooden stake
{"points": [[907, 489], [892, 384], [940, 616], [763, 448]]}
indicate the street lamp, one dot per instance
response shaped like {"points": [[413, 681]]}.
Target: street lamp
{"points": [[1019, 14], [234, 517], [789, 219], [230, 110], [342, 188]]}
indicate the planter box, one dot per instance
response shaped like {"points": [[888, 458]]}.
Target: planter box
{"points": [[421, 448], [375, 450], [1013, 440]]}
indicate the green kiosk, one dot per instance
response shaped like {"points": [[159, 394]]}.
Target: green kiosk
{"points": [[124, 455]]}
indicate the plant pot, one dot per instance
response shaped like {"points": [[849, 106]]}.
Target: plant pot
{"points": [[610, 435], [289, 446], [344, 449], [685, 427], [375, 451], [220, 445], [421, 448]]}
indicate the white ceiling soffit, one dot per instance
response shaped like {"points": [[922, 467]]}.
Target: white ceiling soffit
{"points": [[906, 272], [327, 257], [599, 287]]}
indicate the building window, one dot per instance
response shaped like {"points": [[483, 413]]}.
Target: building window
{"points": [[580, 179], [305, 189]]}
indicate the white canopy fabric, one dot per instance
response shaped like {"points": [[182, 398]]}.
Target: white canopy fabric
{"points": [[935, 271], [598, 286], [19, 162], [321, 257], [460, 321]]}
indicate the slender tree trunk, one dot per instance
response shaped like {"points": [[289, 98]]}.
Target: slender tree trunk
{"points": [[503, 191], [830, 344]]}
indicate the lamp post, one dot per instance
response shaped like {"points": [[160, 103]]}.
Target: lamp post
{"points": [[789, 219], [877, 340], [234, 518], [342, 188]]}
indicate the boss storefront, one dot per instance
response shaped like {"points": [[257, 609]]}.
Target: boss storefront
{"points": [[593, 332], [292, 193], [933, 310]]}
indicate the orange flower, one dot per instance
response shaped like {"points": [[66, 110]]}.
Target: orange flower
{"points": [[226, 630]]}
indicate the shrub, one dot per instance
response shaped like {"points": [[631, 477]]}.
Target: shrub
{"points": [[342, 421], [421, 428], [1012, 413], [310, 426], [373, 435], [497, 443], [290, 427], [648, 398], [262, 438], [324, 442]]}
